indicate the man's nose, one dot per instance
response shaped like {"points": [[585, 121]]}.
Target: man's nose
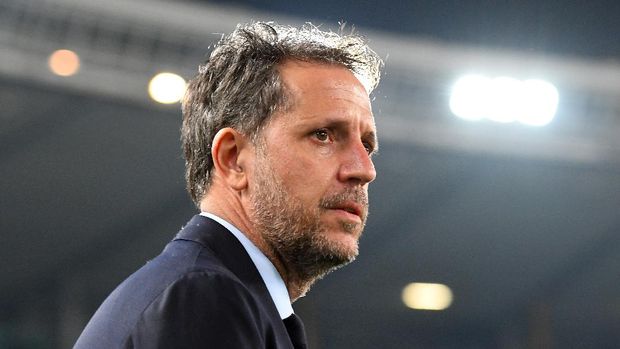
{"points": [[356, 165]]}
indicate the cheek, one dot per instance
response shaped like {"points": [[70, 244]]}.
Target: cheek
{"points": [[306, 179]]}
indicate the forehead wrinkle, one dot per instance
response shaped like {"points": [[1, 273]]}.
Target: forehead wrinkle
{"points": [[349, 98], [334, 83]]}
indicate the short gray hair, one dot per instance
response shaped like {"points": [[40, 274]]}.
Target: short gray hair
{"points": [[239, 85]]}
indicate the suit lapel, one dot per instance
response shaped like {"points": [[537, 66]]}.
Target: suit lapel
{"points": [[233, 255], [227, 248]]}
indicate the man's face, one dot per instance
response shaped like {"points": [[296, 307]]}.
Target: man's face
{"points": [[309, 190]]}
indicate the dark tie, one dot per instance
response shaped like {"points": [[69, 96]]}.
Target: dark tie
{"points": [[295, 329]]}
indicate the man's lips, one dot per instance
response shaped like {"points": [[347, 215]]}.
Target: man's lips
{"points": [[350, 207]]}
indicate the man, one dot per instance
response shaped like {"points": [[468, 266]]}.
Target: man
{"points": [[278, 136]]}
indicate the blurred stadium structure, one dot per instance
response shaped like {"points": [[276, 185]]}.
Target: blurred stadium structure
{"points": [[521, 223], [123, 44]]}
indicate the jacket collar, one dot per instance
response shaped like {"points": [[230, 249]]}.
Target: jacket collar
{"points": [[215, 237]]}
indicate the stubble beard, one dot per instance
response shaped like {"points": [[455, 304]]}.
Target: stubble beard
{"points": [[295, 233]]}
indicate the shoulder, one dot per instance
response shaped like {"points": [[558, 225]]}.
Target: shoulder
{"points": [[203, 306], [180, 292], [212, 289]]}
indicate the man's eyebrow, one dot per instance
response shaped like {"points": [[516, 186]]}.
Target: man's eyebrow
{"points": [[372, 136]]}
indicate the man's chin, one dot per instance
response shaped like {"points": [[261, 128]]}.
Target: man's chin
{"points": [[343, 243]]}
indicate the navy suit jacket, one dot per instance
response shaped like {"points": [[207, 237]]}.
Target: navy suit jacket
{"points": [[202, 291]]}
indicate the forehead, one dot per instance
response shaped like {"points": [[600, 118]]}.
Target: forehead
{"points": [[322, 84]]}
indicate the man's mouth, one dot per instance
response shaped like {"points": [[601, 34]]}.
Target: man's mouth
{"points": [[350, 207]]}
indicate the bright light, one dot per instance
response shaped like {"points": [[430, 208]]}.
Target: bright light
{"points": [[468, 97], [167, 88], [64, 62], [504, 99], [543, 98], [425, 296]]}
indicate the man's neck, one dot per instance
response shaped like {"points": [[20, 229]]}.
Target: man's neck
{"points": [[230, 207]]}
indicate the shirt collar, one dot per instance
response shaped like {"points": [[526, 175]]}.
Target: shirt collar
{"points": [[269, 273]]}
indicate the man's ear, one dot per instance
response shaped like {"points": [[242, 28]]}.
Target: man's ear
{"points": [[230, 150]]}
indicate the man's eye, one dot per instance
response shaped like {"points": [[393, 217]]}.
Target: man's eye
{"points": [[369, 147], [322, 135]]}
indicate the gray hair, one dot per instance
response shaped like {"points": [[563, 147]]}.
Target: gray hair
{"points": [[239, 85]]}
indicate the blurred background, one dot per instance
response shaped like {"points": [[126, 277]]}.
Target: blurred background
{"points": [[494, 217]]}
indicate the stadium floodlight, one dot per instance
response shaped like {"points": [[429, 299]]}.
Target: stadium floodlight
{"points": [[467, 99], [542, 98], [427, 296], [167, 88], [64, 62], [504, 99]]}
